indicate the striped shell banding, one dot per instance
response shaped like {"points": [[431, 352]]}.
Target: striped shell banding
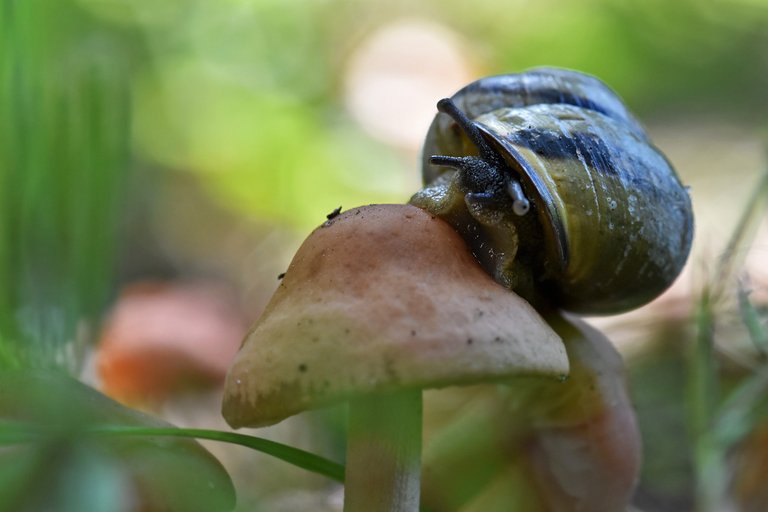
{"points": [[558, 191]]}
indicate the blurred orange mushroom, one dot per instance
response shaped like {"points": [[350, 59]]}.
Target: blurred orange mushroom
{"points": [[163, 338]]}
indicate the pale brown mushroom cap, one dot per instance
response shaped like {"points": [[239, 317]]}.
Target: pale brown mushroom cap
{"points": [[381, 298]]}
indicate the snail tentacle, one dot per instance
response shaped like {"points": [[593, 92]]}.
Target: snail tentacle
{"points": [[471, 130]]}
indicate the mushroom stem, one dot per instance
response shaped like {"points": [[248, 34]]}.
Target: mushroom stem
{"points": [[384, 453]]}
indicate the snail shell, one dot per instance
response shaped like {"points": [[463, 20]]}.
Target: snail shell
{"points": [[558, 191]]}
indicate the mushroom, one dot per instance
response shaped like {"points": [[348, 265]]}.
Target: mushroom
{"points": [[163, 338], [566, 446], [379, 303]]}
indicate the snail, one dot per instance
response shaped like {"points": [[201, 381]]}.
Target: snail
{"points": [[558, 191]]}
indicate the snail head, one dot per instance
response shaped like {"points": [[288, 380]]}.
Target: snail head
{"points": [[486, 177]]}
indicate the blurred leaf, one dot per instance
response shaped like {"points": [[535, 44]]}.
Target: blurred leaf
{"points": [[62, 476], [49, 415]]}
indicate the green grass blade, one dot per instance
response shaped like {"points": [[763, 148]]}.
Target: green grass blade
{"points": [[703, 390], [64, 147], [729, 261], [744, 409], [751, 318], [295, 456], [13, 433]]}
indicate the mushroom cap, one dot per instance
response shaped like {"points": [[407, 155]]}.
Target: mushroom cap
{"points": [[166, 337], [377, 299]]}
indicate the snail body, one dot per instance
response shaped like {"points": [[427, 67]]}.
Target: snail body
{"points": [[558, 191]]}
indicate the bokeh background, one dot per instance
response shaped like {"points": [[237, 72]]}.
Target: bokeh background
{"points": [[160, 162]]}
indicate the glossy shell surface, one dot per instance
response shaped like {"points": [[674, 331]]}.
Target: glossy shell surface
{"points": [[613, 223]]}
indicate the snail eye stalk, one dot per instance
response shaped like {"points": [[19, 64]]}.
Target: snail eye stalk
{"points": [[520, 204]]}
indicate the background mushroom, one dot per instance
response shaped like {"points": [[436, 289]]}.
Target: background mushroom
{"points": [[377, 304], [538, 446], [165, 338]]}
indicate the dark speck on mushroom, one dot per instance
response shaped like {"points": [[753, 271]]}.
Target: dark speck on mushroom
{"points": [[280, 276], [469, 341], [498, 339], [413, 333], [389, 367]]}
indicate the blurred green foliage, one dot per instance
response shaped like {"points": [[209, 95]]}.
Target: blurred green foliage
{"points": [[63, 147], [248, 94], [687, 55], [54, 459], [719, 417]]}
